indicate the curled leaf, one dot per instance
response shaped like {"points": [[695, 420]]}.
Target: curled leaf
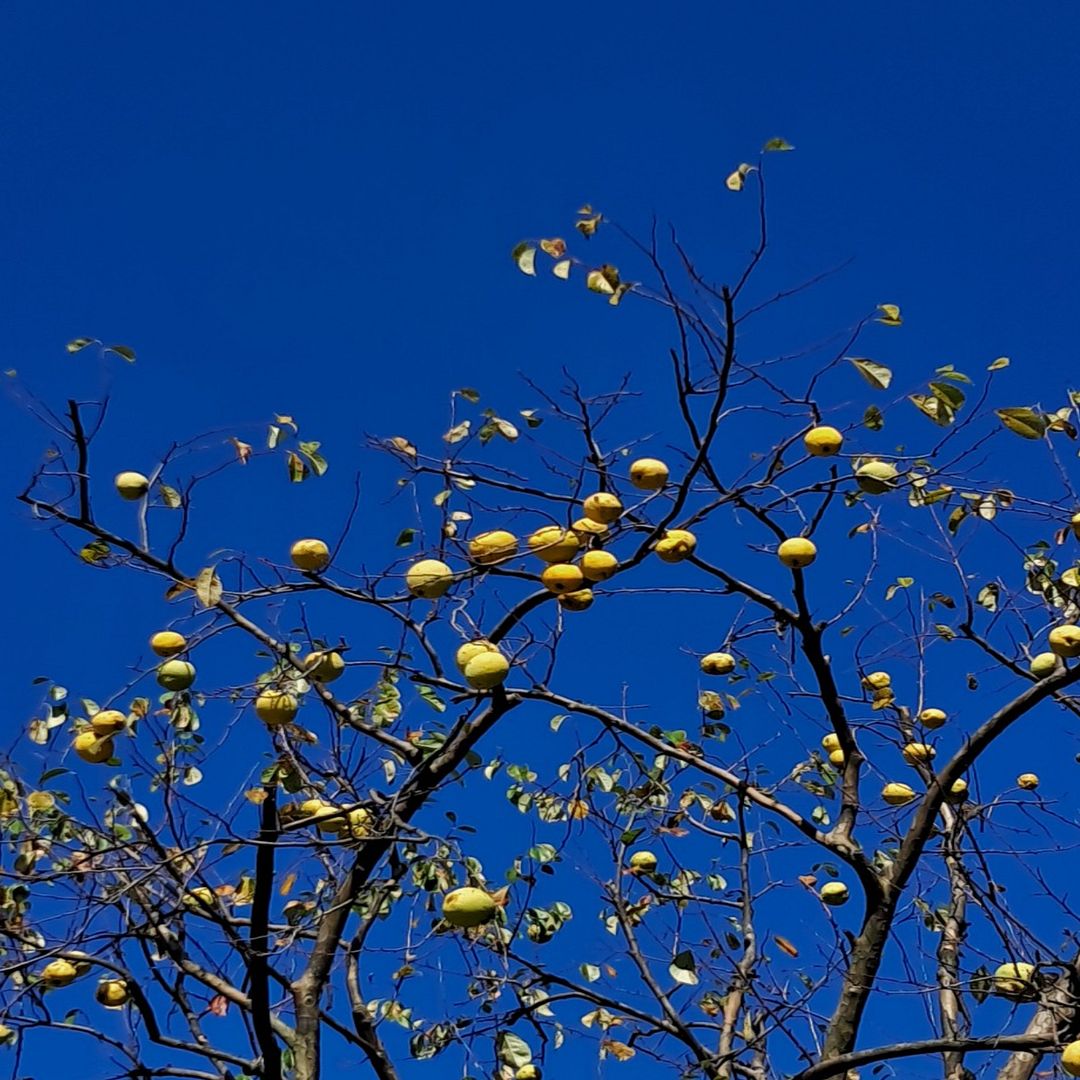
{"points": [[556, 247], [524, 254], [1026, 423], [877, 375], [774, 145], [890, 315], [737, 179]]}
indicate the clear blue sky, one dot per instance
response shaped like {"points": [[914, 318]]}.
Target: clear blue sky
{"points": [[310, 211]]}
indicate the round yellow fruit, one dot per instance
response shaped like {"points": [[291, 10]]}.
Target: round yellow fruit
{"points": [[1015, 981], [602, 507], [836, 757], [1065, 640], [168, 643], [328, 818], [359, 823], [176, 675], [896, 794], [1044, 665], [554, 544], [1070, 1059], [309, 554], [1028, 781], [323, 666], [276, 707], [492, 547], [486, 670], [675, 545], [919, 753], [796, 552], [108, 722], [718, 663], [648, 474], [876, 477], [877, 680], [57, 973], [830, 742], [932, 718], [644, 862], [585, 527], [958, 791], [202, 896], [112, 993], [1074, 524], [598, 565], [470, 649], [468, 906], [562, 578], [823, 441], [834, 893], [578, 600], [429, 578], [92, 748], [131, 485]]}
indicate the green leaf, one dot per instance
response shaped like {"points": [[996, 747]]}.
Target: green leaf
{"points": [[297, 469], [999, 363], [988, 596], [524, 254], [873, 418], [512, 1050], [96, 551], [683, 969], [405, 538], [589, 972], [469, 394], [429, 695], [170, 497], [1026, 423], [877, 375], [79, 343], [776, 144], [208, 587], [310, 450], [125, 351]]}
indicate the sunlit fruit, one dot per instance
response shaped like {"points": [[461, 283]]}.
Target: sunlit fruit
{"points": [[578, 600], [554, 544], [309, 554], [932, 718], [1015, 980], [598, 565], [429, 578], [675, 545], [1044, 665], [176, 675], [492, 547], [323, 666], [648, 474], [470, 649], [1028, 781], [1074, 524], [1065, 640], [584, 528], [896, 794], [112, 993], [876, 477], [468, 906], [168, 643], [108, 722], [918, 753], [528, 1072], [836, 757], [359, 823], [486, 670], [603, 507], [644, 862], [796, 552], [92, 748], [57, 973], [562, 578], [830, 742], [276, 707], [718, 663], [823, 441], [877, 680], [131, 485], [958, 791], [202, 896], [834, 893], [328, 817], [1070, 1059]]}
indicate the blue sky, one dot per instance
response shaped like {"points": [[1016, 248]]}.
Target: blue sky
{"points": [[310, 212]]}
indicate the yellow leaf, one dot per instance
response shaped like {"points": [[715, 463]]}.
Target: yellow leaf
{"points": [[623, 288], [562, 269], [556, 247], [786, 945], [578, 809], [403, 446], [457, 433], [208, 587], [603, 280], [999, 363], [890, 315], [40, 801], [287, 883], [255, 795], [618, 1050], [588, 225], [245, 893], [736, 180], [525, 257]]}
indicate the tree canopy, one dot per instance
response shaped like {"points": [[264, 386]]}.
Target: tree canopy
{"points": [[684, 734]]}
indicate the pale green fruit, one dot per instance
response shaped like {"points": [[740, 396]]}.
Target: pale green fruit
{"points": [[876, 477], [1015, 981], [486, 670], [834, 893], [429, 578], [131, 485], [1044, 665], [644, 862], [468, 906], [276, 707]]}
